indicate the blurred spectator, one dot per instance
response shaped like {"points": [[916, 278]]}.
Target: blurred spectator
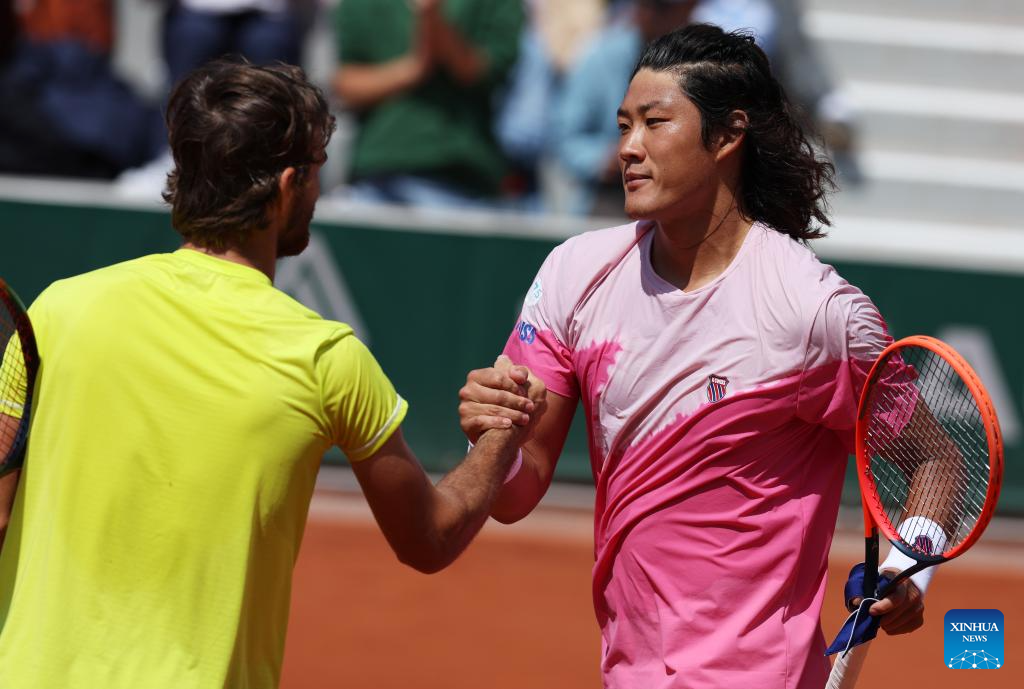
{"points": [[85, 21], [264, 31], [421, 77], [65, 111], [548, 47], [809, 84], [8, 30], [586, 132], [757, 17]]}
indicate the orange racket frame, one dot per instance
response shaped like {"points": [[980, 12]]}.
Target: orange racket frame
{"points": [[847, 667], [873, 510]]}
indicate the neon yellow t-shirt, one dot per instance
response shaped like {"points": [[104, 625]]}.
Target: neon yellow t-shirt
{"points": [[183, 406]]}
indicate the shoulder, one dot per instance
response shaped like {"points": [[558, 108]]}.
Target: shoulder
{"points": [[584, 257], [576, 268], [801, 299], [838, 314], [81, 286], [797, 269]]}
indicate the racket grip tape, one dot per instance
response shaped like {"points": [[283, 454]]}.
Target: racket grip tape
{"points": [[871, 564], [847, 667]]}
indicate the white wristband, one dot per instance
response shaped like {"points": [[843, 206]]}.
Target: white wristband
{"points": [[933, 539], [517, 464]]}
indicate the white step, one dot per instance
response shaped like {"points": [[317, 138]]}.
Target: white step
{"points": [[923, 51], [901, 241], [968, 191], [944, 121], [991, 11]]}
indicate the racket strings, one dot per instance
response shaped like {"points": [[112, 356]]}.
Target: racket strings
{"points": [[944, 496], [13, 381], [928, 448]]}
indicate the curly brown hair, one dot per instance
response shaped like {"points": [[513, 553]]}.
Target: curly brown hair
{"points": [[233, 128], [783, 181]]}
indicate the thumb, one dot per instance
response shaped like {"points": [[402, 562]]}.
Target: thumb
{"points": [[519, 374]]}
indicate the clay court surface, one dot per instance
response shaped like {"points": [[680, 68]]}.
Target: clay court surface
{"points": [[515, 613]]}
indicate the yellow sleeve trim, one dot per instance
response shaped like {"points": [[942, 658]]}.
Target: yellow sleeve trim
{"points": [[385, 432]]}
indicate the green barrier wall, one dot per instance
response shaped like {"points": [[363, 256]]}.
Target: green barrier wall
{"points": [[434, 304]]}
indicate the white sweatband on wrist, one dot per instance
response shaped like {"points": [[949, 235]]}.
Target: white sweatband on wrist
{"points": [[517, 464], [924, 534]]}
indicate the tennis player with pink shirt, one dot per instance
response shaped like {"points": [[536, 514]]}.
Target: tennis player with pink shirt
{"points": [[719, 363]]}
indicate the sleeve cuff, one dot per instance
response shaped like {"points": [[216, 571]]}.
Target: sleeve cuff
{"points": [[385, 432]]}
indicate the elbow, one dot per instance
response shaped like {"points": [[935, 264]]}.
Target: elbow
{"points": [[427, 566], [506, 516], [424, 560], [347, 94]]}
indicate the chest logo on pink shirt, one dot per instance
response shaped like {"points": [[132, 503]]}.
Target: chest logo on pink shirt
{"points": [[716, 387]]}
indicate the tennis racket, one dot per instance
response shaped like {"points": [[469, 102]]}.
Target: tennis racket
{"points": [[18, 369], [929, 462]]}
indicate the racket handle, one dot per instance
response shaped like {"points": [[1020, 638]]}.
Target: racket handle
{"points": [[846, 669]]}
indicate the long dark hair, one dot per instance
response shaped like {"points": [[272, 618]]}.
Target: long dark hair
{"points": [[233, 128], [783, 181]]}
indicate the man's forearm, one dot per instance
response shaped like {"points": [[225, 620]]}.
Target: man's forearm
{"points": [[519, 496], [361, 86], [467, 492]]}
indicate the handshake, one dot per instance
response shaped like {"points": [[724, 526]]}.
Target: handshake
{"points": [[505, 396]]}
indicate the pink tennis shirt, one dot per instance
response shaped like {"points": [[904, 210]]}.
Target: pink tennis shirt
{"points": [[720, 421]]}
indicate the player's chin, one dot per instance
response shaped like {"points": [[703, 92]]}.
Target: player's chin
{"points": [[637, 207]]}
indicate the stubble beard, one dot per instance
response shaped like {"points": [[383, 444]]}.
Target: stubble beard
{"points": [[294, 240]]}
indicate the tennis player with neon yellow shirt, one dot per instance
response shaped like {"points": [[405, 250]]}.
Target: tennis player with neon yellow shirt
{"points": [[183, 406]]}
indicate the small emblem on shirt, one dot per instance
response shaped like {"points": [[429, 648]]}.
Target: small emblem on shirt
{"points": [[716, 387], [527, 332], [535, 293]]}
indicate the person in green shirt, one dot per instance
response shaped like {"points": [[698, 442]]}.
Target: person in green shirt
{"points": [[420, 77]]}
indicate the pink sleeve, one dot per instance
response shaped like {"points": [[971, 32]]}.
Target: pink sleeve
{"points": [[846, 337], [540, 338]]}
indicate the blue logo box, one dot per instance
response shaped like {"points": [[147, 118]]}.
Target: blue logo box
{"points": [[974, 640]]}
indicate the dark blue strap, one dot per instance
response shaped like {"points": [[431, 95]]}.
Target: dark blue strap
{"points": [[860, 627]]}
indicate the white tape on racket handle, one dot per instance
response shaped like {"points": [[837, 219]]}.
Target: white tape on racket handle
{"points": [[846, 669]]}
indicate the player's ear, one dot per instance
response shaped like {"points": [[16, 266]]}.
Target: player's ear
{"points": [[288, 180], [731, 135]]}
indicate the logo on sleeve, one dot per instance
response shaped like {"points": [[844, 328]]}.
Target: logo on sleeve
{"points": [[527, 332], [716, 388], [535, 293]]}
